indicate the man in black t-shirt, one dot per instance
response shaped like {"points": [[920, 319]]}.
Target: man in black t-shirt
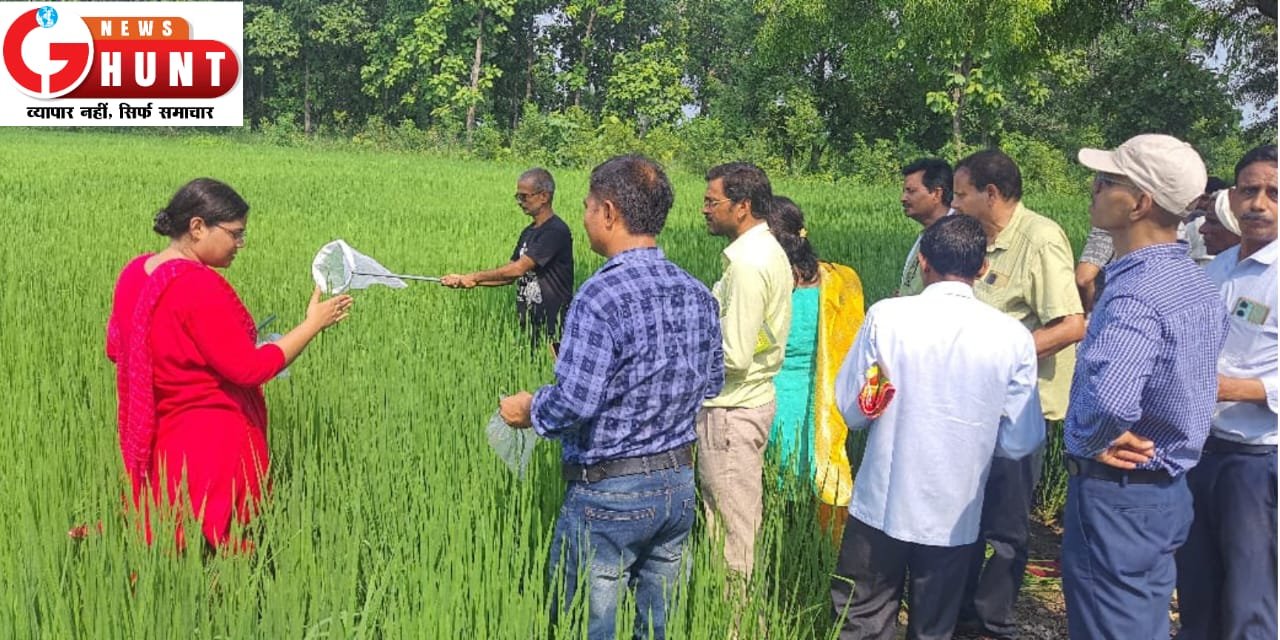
{"points": [[541, 264]]}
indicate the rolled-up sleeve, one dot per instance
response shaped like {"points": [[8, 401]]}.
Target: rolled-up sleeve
{"points": [[1269, 384], [1052, 289], [852, 375]]}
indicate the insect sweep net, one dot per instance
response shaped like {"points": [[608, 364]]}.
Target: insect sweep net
{"points": [[338, 267]]}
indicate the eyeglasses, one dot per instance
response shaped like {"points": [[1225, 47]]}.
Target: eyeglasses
{"points": [[236, 234], [521, 197], [707, 203], [1100, 179]]}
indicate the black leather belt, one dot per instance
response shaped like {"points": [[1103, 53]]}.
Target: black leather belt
{"points": [[680, 457], [1218, 445], [1094, 469]]}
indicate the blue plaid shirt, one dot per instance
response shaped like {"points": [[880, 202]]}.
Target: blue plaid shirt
{"points": [[641, 352], [1148, 363]]}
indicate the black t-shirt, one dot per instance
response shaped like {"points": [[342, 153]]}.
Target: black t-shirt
{"points": [[542, 295]]}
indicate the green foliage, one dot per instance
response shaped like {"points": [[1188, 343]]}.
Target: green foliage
{"points": [[1044, 167], [645, 86], [706, 144], [878, 162], [808, 86]]}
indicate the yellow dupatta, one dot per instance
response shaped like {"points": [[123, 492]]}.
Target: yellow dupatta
{"points": [[840, 313]]}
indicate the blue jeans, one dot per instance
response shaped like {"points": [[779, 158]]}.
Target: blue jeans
{"points": [[1227, 568], [1118, 556], [624, 532]]}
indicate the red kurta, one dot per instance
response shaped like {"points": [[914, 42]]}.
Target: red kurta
{"points": [[202, 414]]}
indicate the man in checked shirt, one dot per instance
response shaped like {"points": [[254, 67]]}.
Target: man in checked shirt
{"points": [[1142, 395], [641, 352]]}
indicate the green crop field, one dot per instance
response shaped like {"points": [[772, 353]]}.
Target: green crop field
{"points": [[389, 517]]}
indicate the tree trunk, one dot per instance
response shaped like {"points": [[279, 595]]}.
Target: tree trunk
{"points": [[586, 55], [306, 96], [475, 74], [958, 97], [518, 112]]}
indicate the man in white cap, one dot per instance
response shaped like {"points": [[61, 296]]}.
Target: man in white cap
{"points": [[1227, 569], [1142, 395]]}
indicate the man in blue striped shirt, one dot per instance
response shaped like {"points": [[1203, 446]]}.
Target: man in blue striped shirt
{"points": [[641, 352], [1142, 395]]}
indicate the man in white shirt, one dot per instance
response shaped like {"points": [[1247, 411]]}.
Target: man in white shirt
{"points": [[965, 391], [1227, 568]]}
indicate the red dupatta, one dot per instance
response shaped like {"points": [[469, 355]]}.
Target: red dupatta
{"points": [[135, 382]]}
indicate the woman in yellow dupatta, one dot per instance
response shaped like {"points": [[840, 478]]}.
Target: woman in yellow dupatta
{"points": [[808, 433]]}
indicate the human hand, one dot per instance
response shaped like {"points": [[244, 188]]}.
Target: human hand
{"points": [[457, 281], [1127, 452], [515, 410], [326, 313]]}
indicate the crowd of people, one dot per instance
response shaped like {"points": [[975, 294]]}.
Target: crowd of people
{"points": [[1158, 350]]}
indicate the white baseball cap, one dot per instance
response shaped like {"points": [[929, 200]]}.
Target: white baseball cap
{"points": [[1165, 167]]}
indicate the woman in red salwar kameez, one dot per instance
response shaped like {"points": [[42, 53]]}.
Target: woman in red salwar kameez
{"points": [[189, 375]]}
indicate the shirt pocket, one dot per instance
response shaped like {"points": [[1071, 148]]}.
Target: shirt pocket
{"points": [[1250, 347]]}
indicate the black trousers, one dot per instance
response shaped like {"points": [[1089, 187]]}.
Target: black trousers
{"points": [[870, 577], [991, 590]]}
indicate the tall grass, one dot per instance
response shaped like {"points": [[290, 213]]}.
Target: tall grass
{"points": [[388, 517]]}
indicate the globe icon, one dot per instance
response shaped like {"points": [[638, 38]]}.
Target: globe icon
{"points": [[47, 16]]}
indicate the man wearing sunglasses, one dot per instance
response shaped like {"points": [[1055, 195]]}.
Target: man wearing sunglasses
{"points": [[1142, 395], [541, 264]]}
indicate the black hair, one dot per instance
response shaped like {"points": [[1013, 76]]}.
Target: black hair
{"points": [[786, 221], [745, 181], [955, 246], [1265, 153], [204, 198], [542, 181], [639, 188], [993, 167], [937, 175]]}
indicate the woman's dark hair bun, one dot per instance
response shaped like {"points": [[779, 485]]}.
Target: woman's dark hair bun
{"points": [[163, 223]]}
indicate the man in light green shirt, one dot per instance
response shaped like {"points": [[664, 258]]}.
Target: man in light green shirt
{"points": [[926, 198], [1031, 278], [755, 315]]}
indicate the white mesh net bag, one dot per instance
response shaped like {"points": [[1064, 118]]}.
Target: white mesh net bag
{"points": [[338, 268]]}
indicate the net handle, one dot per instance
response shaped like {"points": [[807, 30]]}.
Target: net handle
{"points": [[397, 276]]}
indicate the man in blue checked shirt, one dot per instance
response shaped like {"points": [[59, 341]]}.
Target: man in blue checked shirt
{"points": [[641, 352], [1142, 395]]}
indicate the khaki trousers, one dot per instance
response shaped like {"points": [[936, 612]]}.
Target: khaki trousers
{"points": [[731, 443]]}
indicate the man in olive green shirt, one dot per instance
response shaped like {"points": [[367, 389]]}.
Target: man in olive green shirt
{"points": [[755, 315], [1031, 278], [926, 198]]}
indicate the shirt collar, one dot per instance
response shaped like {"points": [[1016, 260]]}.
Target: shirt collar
{"points": [[743, 243], [1265, 255], [631, 256], [1004, 238], [1152, 252], [949, 288]]}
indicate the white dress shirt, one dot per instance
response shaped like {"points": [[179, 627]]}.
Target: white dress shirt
{"points": [[965, 376], [1248, 288]]}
